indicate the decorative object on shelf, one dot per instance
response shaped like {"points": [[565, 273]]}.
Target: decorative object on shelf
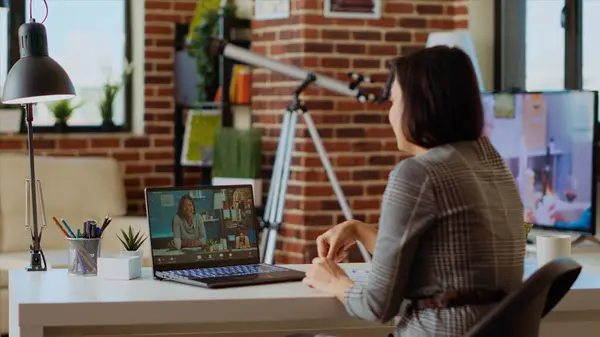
{"points": [[237, 160], [205, 63], [35, 78], [11, 117], [62, 111], [460, 38], [199, 137], [110, 90], [271, 9], [352, 9]]}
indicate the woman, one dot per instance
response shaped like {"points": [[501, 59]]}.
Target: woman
{"points": [[242, 241], [450, 241], [188, 227]]}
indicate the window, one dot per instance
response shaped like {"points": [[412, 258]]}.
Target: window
{"points": [[544, 45], [90, 40], [591, 48], [539, 44]]}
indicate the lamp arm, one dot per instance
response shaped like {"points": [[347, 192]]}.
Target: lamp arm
{"points": [[36, 255]]}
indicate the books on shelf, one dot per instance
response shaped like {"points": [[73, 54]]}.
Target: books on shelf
{"points": [[240, 86]]}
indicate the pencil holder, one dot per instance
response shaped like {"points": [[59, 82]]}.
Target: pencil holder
{"points": [[83, 256]]}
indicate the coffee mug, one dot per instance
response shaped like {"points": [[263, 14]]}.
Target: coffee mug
{"points": [[551, 247]]}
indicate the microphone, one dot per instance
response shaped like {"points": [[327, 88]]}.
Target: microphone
{"points": [[216, 47]]}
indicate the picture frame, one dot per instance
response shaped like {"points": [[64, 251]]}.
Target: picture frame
{"points": [[199, 137], [352, 9], [271, 9]]}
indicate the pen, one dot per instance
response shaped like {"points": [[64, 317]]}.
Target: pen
{"points": [[106, 223], [71, 234], [78, 233], [62, 229]]}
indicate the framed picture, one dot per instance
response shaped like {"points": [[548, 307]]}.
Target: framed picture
{"points": [[199, 138], [352, 9], [271, 9]]}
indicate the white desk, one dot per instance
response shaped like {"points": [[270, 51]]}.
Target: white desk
{"points": [[54, 304]]}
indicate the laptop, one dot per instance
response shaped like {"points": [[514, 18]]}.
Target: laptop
{"points": [[208, 236]]}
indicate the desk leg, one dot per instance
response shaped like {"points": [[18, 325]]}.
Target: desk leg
{"points": [[31, 331]]}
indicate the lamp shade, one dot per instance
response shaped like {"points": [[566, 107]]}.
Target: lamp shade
{"points": [[460, 39], [36, 77]]}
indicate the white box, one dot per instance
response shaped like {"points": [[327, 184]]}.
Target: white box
{"points": [[256, 186], [119, 267]]}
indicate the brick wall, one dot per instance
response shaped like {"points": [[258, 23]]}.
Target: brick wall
{"points": [[360, 144], [147, 160]]}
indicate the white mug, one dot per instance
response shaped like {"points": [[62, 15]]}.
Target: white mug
{"points": [[550, 247]]}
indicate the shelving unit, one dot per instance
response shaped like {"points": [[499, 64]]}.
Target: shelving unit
{"points": [[186, 92]]}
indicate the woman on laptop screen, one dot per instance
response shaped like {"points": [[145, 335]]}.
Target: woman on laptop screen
{"points": [[188, 227]]}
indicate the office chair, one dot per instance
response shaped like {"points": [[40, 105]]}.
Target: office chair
{"points": [[519, 314]]}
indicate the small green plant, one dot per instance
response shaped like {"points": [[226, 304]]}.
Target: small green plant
{"points": [[205, 63], [110, 91], [132, 241], [63, 110], [528, 228]]}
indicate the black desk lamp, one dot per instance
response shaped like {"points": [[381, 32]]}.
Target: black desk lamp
{"points": [[35, 78]]}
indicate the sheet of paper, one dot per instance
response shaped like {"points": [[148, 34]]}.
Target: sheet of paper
{"points": [[359, 276]]}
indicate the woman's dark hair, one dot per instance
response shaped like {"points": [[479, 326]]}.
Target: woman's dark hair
{"points": [[442, 99], [180, 206]]}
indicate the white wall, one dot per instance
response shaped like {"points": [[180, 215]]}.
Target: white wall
{"points": [[481, 25]]}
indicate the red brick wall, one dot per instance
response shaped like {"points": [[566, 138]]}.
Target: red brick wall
{"points": [[147, 160], [360, 143]]}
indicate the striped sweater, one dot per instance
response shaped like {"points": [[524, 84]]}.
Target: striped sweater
{"points": [[451, 219]]}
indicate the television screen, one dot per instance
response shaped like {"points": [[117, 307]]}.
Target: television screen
{"points": [[547, 141]]}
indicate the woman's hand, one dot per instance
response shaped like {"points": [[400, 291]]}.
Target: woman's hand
{"points": [[334, 243], [325, 275]]}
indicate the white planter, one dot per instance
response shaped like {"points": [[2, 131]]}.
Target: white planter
{"points": [[126, 265], [10, 120], [256, 186]]}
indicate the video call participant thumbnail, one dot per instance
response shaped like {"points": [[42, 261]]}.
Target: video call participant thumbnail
{"points": [[188, 226]]}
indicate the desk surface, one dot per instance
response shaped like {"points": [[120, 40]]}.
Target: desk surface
{"points": [[54, 298]]}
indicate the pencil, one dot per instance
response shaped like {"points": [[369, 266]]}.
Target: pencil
{"points": [[106, 223], [62, 229], [72, 235]]}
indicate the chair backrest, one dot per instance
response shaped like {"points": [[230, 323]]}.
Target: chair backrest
{"points": [[520, 313]]}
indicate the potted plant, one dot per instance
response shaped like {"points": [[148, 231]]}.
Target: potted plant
{"points": [[205, 63], [132, 242], [237, 159], [109, 91], [62, 111]]}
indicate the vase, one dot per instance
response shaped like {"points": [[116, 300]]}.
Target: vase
{"points": [[132, 253], [108, 126], [60, 126]]}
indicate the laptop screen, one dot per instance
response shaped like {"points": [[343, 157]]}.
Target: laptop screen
{"points": [[202, 226]]}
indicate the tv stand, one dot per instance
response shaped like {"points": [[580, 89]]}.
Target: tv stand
{"points": [[582, 240]]}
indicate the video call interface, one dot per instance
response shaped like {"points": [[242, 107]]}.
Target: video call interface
{"points": [[547, 141], [202, 225]]}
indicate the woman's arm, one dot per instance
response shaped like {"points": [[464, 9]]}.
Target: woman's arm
{"points": [[367, 235], [201, 229], [408, 207]]}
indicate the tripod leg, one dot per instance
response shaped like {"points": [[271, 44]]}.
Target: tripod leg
{"points": [[272, 197], [337, 189], [269, 255]]}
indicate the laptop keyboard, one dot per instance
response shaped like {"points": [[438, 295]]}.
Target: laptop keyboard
{"points": [[214, 272]]}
